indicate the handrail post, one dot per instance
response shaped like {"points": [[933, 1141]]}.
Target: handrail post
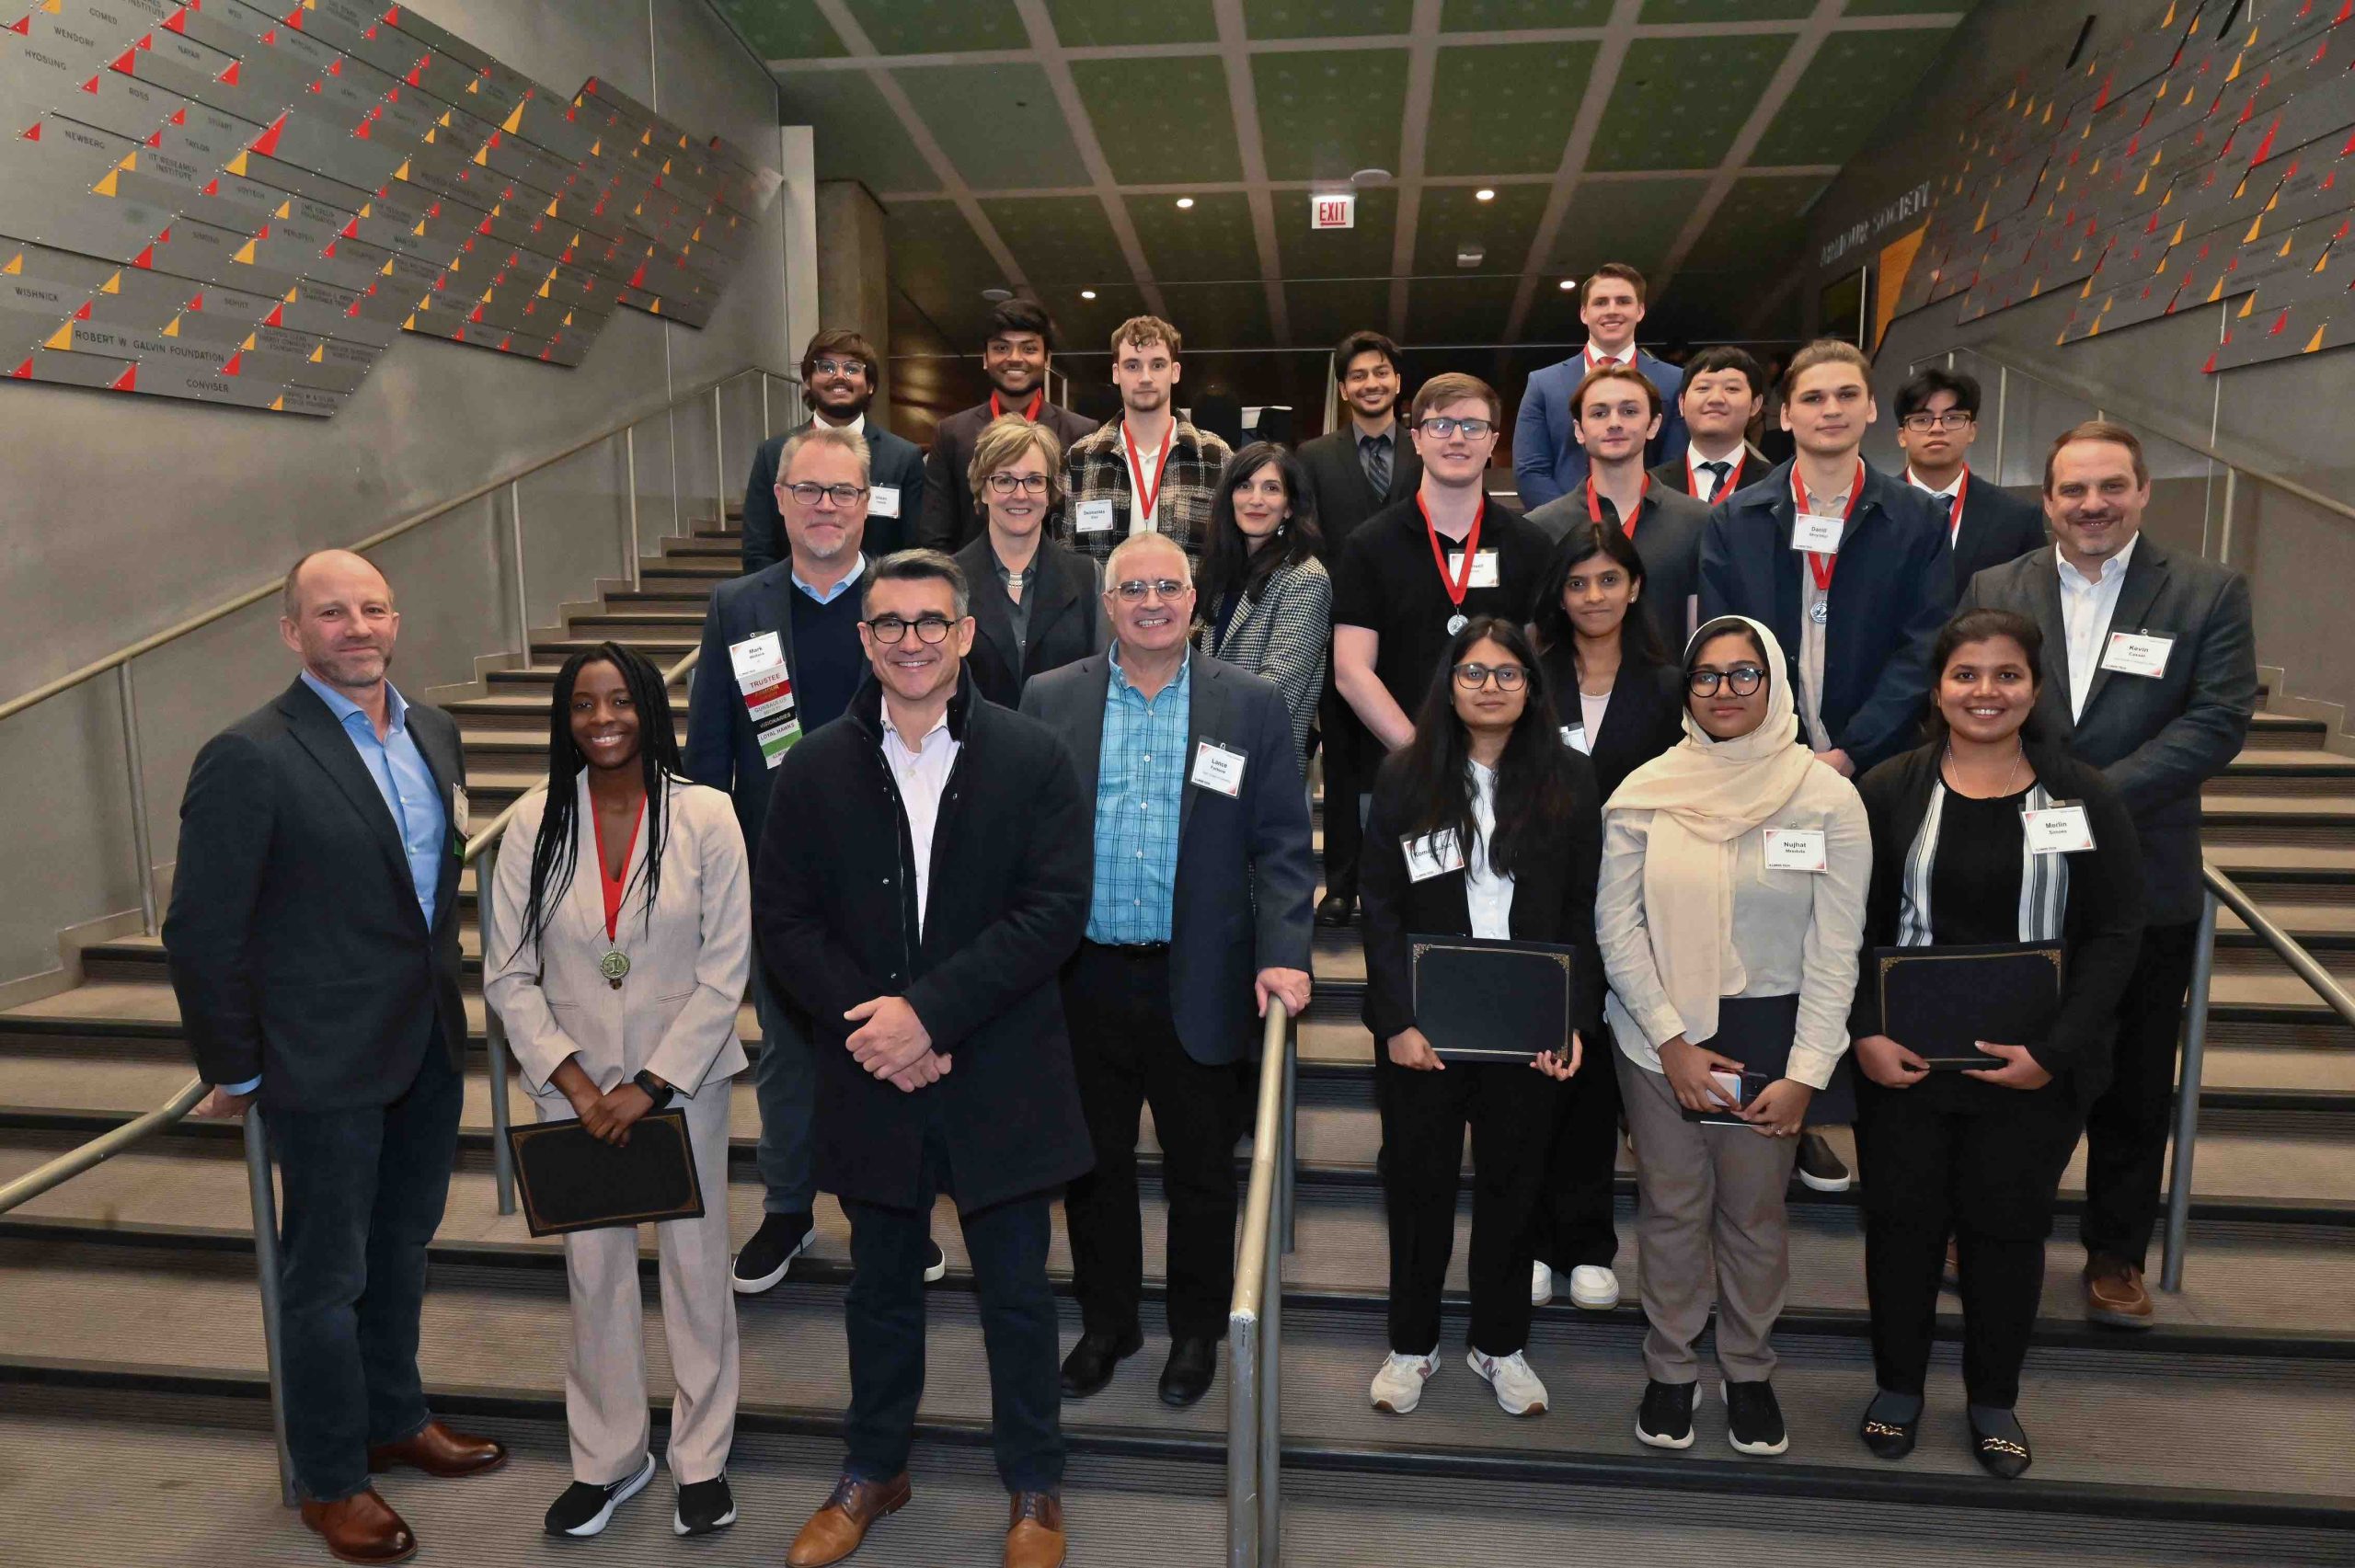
{"points": [[522, 599], [1242, 1441], [135, 765], [502, 1158], [1271, 1402], [768, 429], [1287, 1173], [2224, 538], [629, 462], [2187, 1108], [719, 451], [2003, 395], [265, 1209]]}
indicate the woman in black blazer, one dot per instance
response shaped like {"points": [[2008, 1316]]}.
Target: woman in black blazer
{"points": [[1977, 1154], [1035, 604], [1485, 826]]}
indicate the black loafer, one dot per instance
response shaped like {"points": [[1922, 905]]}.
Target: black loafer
{"points": [[1091, 1362], [1335, 910], [1193, 1363], [2003, 1451], [1883, 1433]]}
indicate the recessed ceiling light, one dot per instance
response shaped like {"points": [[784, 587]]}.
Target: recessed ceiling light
{"points": [[1087, 293], [1569, 283], [1184, 202], [1484, 194], [997, 296], [1369, 177]]}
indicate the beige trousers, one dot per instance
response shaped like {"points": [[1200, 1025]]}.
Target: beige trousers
{"points": [[604, 1382], [1710, 1227]]}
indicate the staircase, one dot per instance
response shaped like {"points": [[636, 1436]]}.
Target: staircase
{"points": [[129, 1321]]}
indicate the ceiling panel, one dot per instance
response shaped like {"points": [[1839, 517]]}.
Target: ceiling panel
{"points": [[1503, 227], [1485, 16], [1761, 221], [940, 265], [1210, 241], [1505, 109], [1554, 314], [1086, 326], [1634, 221], [1324, 314], [1680, 102], [1161, 121], [1323, 116], [880, 154], [1361, 252], [929, 27], [1219, 315], [1097, 23], [1847, 89], [1059, 239], [1458, 310], [1325, 19], [1671, 12], [999, 124], [784, 29], [1910, 7]]}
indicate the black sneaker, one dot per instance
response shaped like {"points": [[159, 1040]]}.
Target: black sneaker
{"points": [[1754, 1418], [781, 1239], [705, 1506], [586, 1508], [935, 1263], [1820, 1168], [1666, 1419]]}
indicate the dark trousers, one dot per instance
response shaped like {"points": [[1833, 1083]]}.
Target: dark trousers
{"points": [[884, 1317], [1574, 1224], [363, 1191], [1125, 1047], [2126, 1130], [1956, 1156], [1348, 774], [1510, 1109]]}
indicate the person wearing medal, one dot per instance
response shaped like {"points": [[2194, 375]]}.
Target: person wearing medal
{"points": [[1149, 471], [1937, 420], [1724, 393], [1017, 351], [626, 936]]}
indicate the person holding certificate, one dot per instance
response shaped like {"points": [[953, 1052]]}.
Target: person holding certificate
{"points": [[627, 937], [1730, 910], [1483, 825], [1987, 836]]}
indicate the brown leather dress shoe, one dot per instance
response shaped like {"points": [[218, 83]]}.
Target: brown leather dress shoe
{"points": [[838, 1527], [2114, 1294], [361, 1529], [437, 1450], [1035, 1537]]}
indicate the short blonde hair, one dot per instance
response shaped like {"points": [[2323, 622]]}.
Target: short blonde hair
{"points": [[1005, 439]]}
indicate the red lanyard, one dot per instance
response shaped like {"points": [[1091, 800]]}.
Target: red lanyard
{"points": [[1594, 504], [611, 883], [1459, 583], [1145, 496], [1954, 509], [1038, 401], [1733, 478], [1824, 565]]}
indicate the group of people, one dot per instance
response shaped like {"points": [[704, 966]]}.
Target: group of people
{"points": [[995, 799]]}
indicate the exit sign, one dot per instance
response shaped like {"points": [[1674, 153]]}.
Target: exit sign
{"points": [[1334, 211]]}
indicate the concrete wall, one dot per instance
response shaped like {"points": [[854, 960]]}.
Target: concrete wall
{"points": [[128, 514]]}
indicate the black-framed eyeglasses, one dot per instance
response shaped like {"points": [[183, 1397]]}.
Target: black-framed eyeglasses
{"points": [[808, 493], [1007, 484], [837, 367], [1440, 426], [1508, 677], [1947, 419], [1744, 679], [929, 628], [1134, 590]]}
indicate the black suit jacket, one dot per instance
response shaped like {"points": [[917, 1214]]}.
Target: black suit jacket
{"points": [[1997, 526], [296, 947], [892, 464], [1643, 719], [1066, 618], [1676, 475], [1337, 483], [950, 520], [1667, 538]]}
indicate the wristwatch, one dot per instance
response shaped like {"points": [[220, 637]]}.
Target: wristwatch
{"points": [[654, 1088]]}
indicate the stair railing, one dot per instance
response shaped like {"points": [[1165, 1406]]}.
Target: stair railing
{"points": [[1254, 1316]]}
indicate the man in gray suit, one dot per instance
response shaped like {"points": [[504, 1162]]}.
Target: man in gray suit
{"points": [[1199, 917], [2150, 675]]}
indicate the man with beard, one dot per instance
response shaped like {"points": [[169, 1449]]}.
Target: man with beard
{"points": [[840, 371], [1149, 471], [1014, 357]]}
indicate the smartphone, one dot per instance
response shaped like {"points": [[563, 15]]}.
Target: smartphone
{"points": [[1728, 1089]]}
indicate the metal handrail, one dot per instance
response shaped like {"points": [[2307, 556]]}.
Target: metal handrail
{"points": [[1254, 1319], [73, 1162]]}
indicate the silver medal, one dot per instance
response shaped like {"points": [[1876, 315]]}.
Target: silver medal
{"points": [[1819, 612], [614, 965], [1456, 624]]}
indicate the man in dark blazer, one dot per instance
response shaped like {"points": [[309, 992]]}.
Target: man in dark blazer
{"points": [[840, 369], [313, 941], [1723, 395], [1546, 463], [2150, 675], [919, 937], [1014, 357], [1342, 467], [1937, 420], [1198, 921]]}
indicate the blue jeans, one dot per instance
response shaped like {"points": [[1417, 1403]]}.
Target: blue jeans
{"points": [[785, 1082], [363, 1192]]}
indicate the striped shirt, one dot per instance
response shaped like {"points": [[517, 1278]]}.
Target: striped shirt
{"points": [[1139, 784]]}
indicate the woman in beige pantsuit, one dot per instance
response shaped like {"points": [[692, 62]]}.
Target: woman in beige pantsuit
{"points": [[624, 937]]}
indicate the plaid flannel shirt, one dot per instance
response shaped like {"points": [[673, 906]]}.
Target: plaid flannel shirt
{"points": [[1097, 468]]}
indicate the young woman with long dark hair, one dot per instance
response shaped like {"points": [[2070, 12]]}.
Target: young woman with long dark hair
{"points": [[1265, 601]]}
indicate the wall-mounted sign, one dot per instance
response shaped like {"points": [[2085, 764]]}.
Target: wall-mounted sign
{"points": [[1912, 204], [1333, 211]]}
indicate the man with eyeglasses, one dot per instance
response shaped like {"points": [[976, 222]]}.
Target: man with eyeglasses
{"points": [[840, 374], [1198, 921], [1149, 471], [1016, 356], [1938, 419]]}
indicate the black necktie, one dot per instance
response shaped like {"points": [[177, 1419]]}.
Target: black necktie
{"points": [[1374, 453], [1716, 473]]}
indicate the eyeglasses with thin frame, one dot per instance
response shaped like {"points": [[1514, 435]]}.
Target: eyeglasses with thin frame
{"points": [[1946, 419], [1441, 427], [1004, 484], [1744, 679], [807, 492], [1508, 677], [837, 367], [929, 628], [1134, 590]]}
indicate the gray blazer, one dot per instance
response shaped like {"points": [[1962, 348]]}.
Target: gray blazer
{"points": [[2158, 740], [1245, 873], [1283, 635]]}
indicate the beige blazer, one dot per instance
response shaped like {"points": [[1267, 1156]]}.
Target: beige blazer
{"points": [[676, 1013]]}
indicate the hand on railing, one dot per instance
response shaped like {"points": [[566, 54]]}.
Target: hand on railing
{"points": [[220, 1106], [1290, 985]]}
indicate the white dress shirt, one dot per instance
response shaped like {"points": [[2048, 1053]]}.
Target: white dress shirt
{"points": [[1695, 457], [1944, 498], [922, 774], [2086, 605], [1488, 894], [1597, 358]]}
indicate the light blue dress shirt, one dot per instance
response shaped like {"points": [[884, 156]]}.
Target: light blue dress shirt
{"points": [[829, 595], [1140, 785]]}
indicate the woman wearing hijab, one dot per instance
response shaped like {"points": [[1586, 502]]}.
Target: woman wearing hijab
{"points": [[1732, 894]]}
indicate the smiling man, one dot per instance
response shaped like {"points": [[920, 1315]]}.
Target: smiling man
{"points": [[1149, 471], [1016, 357], [1724, 393], [1547, 462], [840, 372], [1937, 420]]}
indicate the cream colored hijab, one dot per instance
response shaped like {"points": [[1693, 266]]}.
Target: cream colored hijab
{"points": [[1704, 796]]}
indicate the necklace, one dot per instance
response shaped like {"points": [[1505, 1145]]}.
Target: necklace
{"points": [[2011, 776]]}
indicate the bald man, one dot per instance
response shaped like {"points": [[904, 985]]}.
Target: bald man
{"points": [[313, 936]]}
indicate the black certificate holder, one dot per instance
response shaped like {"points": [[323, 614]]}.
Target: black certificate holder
{"points": [[1940, 1001], [1477, 1000], [572, 1181], [1757, 1032]]}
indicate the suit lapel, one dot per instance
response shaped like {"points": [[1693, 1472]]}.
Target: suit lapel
{"points": [[316, 728], [1056, 594], [1088, 752], [2145, 575], [443, 765], [1618, 715], [1205, 717], [2043, 588]]}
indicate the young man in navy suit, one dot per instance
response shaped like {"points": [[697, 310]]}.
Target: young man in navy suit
{"points": [[1546, 463], [1937, 419]]}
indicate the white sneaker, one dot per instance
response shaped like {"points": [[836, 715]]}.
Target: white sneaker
{"points": [[1518, 1390], [1594, 1287], [1541, 1283], [1399, 1387]]}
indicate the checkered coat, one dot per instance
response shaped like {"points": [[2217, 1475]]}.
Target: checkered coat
{"points": [[1097, 468]]}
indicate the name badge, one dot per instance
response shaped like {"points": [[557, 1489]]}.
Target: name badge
{"points": [[1093, 517], [883, 500], [1796, 849], [1574, 737], [461, 813], [2058, 829], [1818, 535], [2137, 653], [1218, 768], [1434, 854], [1484, 568]]}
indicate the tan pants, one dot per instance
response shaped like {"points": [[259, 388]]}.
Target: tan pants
{"points": [[1710, 1227], [604, 1382]]}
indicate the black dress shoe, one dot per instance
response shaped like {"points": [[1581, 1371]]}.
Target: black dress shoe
{"points": [[1890, 1424], [1335, 910], [1192, 1364], [1999, 1443], [1091, 1362]]}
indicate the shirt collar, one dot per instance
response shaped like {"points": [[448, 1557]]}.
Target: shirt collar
{"points": [[1120, 676], [343, 707], [1595, 356], [857, 424], [830, 595], [1385, 438], [1924, 485], [2112, 569], [1734, 454], [924, 742]]}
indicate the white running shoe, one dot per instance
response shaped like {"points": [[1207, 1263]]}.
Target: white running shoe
{"points": [[1594, 1287], [1541, 1283], [1399, 1387], [1518, 1390]]}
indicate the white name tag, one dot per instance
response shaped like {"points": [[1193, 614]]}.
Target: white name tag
{"points": [[1796, 849], [1818, 535], [2135, 653], [2058, 829], [1216, 767], [1434, 854], [1574, 737], [461, 813], [1484, 568], [883, 501], [1093, 517]]}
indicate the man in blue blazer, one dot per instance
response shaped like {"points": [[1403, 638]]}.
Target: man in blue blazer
{"points": [[840, 371], [1546, 463]]}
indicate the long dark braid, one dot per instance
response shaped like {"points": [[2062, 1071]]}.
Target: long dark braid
{"points": [[554, 851]]}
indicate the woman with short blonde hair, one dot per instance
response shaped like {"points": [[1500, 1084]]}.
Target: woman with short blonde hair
{"points": [[1035, 603]]}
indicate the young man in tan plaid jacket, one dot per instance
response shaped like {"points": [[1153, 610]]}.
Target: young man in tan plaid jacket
{"points": [[1148, 470]]}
